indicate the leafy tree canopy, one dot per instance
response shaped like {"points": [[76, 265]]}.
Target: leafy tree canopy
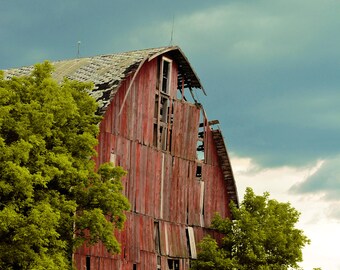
{"points": [[51, 199], [262, 235]]}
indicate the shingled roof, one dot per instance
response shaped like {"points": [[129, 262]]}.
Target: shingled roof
{"points": [[107, 72]]}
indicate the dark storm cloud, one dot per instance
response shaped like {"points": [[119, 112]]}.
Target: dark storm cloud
{"points": [[271, 68]]}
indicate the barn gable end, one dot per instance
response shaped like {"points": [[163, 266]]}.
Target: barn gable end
{"points": [[179, 173]]}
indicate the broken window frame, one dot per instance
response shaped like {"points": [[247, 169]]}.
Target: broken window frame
{"points": [[157, 237], [173, 264], [201, 137], [163, 112], [165, 79], [191, 242]]}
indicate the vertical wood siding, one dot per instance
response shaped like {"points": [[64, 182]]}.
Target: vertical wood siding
{"points": [[161, 186]]}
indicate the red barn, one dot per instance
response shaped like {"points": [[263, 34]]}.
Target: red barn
{"points": [[178, 167]]}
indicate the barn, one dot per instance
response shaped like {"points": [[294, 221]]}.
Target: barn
{"points": [[179, 173]]}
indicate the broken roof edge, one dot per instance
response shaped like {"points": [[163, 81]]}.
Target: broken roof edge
{"points": [[225, 164], [108, 71], [177, 49]]}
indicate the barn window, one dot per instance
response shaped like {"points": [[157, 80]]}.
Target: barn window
{"points": [[166, 72], [156, 112], [200, 147], [157, 238], [199, 171], [191, 242], [88, 263], [173, 264], [163, 110]]}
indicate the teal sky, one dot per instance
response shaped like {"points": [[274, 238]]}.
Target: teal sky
{"points": [[270, 68]]}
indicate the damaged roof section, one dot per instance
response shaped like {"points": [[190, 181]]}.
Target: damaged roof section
{"points": [[225, 164], [107, 72]]}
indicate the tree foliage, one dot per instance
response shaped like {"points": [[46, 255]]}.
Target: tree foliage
{"points": [[51, 199], [262, 235]]}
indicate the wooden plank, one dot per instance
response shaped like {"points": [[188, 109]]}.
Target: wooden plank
{"points": [[131, 177], [140, 99], [138, 181], [132, 107], [168, 192], [163, 179], [173, 192], [157, 161], [146, 109], [174, 75], [143, 179], [176, 131], [192, 243]]}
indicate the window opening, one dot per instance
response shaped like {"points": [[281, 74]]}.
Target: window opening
{"points": [[200, 138], [88, 263], [155, 135], [199, 171], [134, 266], [191, 242], [163, 110], [173, 264], [200, 146], [156, 106], [163, 137], [157, 237], [170, 140], [166, 68]]}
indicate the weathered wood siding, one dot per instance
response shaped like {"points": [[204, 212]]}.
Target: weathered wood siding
{"points": [[161, 185]]}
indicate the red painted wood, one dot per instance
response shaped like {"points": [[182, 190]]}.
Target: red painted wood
{"points": [[173, 202]]}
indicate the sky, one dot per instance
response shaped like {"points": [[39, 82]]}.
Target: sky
{"points": [[271, 73]]}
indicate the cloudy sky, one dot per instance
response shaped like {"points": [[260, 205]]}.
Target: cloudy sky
{"points": [[270, 69]]}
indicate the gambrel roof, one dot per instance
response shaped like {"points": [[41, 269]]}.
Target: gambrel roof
{"points": [[107, 72]]}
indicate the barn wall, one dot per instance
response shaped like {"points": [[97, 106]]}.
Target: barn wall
{"points": [[161, 186]]}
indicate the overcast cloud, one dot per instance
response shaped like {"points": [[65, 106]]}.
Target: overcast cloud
{"points": [[270, 68], [325, 181]]}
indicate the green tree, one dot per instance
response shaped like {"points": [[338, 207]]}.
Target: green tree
{"points": [[261, 235], [51, 198]]}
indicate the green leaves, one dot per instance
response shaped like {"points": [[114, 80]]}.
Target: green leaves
{"points": [[262, 235], [213, 257], [51, 200]]}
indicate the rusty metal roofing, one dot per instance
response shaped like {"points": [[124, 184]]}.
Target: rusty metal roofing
{"points": [[107, 72]]}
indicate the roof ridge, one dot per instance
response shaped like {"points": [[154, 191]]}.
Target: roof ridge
{"points": [[108, 71]]}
